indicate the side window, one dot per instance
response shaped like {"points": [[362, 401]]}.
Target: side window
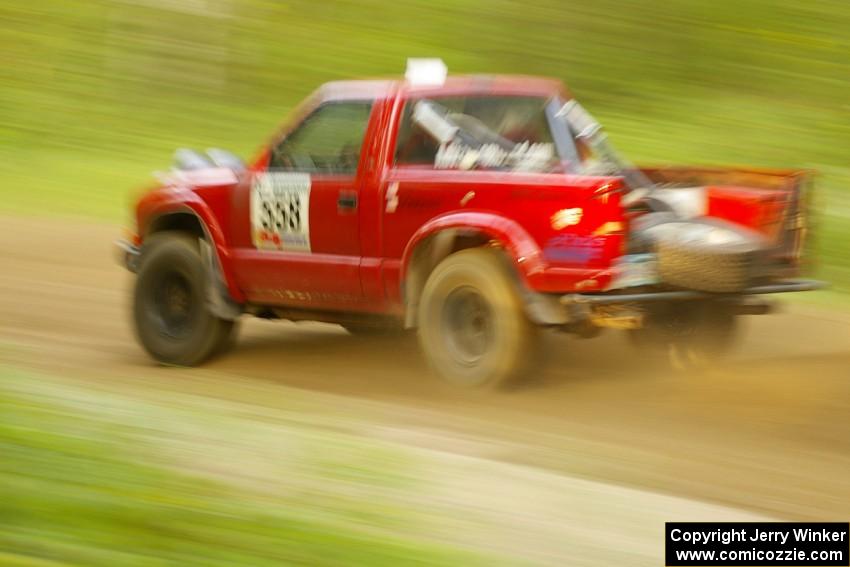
{"points": [[327, 141], [444, 132]]}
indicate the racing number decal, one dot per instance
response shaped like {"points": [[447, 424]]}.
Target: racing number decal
{"points": [[280, 211]]}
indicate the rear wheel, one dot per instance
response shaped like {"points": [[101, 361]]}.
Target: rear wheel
{"points": [[171, 318], [472, 326], [688, 335]]}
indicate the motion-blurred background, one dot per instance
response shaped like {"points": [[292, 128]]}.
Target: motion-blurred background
{"points": [[97, 93], [307, 446]]}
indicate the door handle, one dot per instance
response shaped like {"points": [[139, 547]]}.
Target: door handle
{"points": [[347, 201]]}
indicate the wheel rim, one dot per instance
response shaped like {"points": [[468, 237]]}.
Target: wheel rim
{"points": [[467, 325], [173, 304]]}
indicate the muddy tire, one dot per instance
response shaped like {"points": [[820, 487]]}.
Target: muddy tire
{"points": [[172, 321], [691, 256], [473, 330], [687, 335]]}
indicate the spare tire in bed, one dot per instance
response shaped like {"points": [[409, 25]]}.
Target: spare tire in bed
{"points": [[708, 254]]}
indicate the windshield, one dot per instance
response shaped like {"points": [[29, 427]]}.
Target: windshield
{"points": [[509, 133]]}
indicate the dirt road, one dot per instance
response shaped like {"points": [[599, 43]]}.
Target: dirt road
{"points": [[766, 434]]}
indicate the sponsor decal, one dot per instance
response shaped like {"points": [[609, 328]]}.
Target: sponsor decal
{"points": [[280, 211], [574, 248], [295, 295]]}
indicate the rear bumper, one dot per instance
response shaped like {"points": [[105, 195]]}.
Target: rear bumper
{"points": [[784, 286], [128, 254]]}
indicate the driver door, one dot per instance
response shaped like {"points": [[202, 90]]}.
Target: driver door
{"points": [[305, 244]]}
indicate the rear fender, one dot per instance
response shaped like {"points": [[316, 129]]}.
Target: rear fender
{"points": [[439, 237]]}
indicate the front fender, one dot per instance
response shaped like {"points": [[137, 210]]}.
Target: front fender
{"points": [[171, 200]]}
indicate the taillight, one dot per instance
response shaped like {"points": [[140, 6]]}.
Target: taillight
{"points": [[610, 227]]}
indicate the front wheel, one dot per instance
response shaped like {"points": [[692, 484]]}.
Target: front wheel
{"points": [[172, 321], [688, 335], [472, 326]]}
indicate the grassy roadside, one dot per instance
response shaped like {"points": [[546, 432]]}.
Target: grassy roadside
{"points": [[89, 479]]}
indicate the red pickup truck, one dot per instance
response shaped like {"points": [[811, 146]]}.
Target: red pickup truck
{"points": [[477, 210]]}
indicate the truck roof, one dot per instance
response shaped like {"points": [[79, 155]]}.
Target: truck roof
{"points": [[458, 85]]}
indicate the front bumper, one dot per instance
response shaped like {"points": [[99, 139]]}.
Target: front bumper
{"points": [[128, 254], [783, 286]]}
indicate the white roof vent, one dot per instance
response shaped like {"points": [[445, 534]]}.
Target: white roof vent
{"points": [[427, 71]]}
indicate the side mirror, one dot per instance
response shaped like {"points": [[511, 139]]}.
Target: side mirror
{"points": [[224, 158], [188, 160]]}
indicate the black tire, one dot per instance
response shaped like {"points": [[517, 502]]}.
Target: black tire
{"points": [[473, 330], [687, 335], [172, 321], [699, 263]]}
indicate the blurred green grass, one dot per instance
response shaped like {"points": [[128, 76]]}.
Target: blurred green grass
{"points": [[92, 479], [96, 94]]}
